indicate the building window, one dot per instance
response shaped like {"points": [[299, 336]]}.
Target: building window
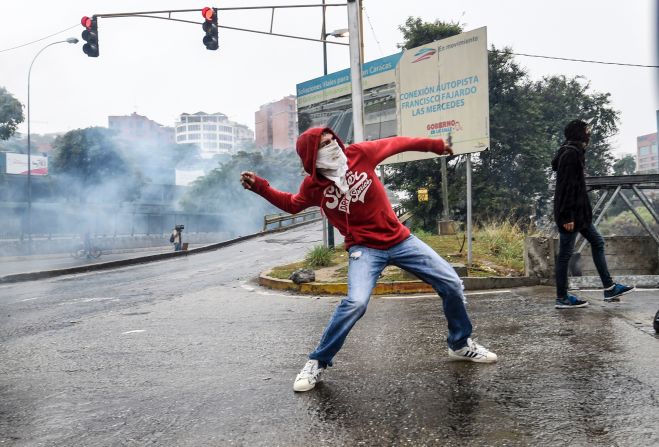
{"points": [[181, 138], [210, 127], [194, 128], [194, 119], [194, 136]]}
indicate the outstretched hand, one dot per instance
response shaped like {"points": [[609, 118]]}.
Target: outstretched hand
{"points": [[448, 149], [247, 179]]}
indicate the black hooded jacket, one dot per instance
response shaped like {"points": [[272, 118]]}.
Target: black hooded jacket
{"points": [[571, 202]]}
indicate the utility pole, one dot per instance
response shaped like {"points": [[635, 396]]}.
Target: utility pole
{"points": [[354, 13]]}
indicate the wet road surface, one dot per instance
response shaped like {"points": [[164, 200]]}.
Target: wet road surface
{"points": [[191, 352]]}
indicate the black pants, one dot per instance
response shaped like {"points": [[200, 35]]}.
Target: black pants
{"points": [[566, 248]]}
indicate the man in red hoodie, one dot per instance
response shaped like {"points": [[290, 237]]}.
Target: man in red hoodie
{"points": [[343, 183]]}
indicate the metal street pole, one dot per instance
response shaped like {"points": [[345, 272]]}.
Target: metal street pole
{"points": [[29, 146], [354, 12], [328, 229]]}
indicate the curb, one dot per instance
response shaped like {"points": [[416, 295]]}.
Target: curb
{"points": [[396, 287], [19, 277]]}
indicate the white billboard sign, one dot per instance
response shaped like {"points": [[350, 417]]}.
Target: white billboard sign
{"points": [[17, 164], [442, 90]]}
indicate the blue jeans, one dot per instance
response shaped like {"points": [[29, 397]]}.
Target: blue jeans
{"points": [[565, 250], [364, 268]]}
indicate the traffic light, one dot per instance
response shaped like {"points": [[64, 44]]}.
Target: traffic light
{"points": [[211, 39], [90, 36]]}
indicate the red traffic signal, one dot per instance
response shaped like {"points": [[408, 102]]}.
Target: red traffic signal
{"points": [[208, 13], [86, 22]]}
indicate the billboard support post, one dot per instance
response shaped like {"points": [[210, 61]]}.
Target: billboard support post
{"points": [[468, 167]]}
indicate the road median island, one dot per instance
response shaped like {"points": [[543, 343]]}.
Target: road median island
{"points": [[498, 263]]}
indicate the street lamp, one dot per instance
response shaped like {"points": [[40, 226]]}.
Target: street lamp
{"points": [[29, 147], [343, 32]]}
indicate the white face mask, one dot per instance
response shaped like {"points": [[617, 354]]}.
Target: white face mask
{"points": [[333, 164]]}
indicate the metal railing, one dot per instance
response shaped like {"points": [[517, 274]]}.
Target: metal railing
{"points": [[402, 213], [280, 218]]}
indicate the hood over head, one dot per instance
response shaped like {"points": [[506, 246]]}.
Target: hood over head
{"points": [[307, 147], [574, 145]]}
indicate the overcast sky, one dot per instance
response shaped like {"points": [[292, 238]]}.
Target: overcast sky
{"points": [[160, 69]]}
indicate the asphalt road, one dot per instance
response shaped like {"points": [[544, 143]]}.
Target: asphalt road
{"points": [[191, 352]]}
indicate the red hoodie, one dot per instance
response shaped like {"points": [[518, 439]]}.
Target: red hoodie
{"points": [[363, 215]]}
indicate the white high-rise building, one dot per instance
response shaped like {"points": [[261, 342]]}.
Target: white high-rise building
{"points": [[212, 132]]}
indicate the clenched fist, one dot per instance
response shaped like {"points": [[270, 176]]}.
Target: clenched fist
{"points": [[247, 179]]}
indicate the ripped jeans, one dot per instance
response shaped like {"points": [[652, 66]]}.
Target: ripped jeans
{"points": [[364, 268]]}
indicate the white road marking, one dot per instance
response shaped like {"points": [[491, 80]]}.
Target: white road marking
{"points": [[136, 331], [391, 297]]}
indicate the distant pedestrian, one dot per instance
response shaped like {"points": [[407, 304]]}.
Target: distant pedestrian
{"points": [[175, 237], [342, 181], [573, 214]]}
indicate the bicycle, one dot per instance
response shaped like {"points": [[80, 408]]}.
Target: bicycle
{"points": [[79, 252]]}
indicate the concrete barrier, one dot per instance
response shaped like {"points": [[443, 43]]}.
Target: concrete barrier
{"points": [[625, 255]]}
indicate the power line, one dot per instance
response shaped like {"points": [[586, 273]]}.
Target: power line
{"points": [[372, 30], [39, 40], [576, 60], [378, 42]]}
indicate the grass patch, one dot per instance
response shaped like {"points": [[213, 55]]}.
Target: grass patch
{"points": [[498, 250]]}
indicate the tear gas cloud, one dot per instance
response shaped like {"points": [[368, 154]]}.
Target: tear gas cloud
{"points": [[123, 194]]}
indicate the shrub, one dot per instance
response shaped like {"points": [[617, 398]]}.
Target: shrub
{"points": [[319, 256]]}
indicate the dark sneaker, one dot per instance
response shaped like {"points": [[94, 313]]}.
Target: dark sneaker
{"points": [[570, 302], [616, 291]]}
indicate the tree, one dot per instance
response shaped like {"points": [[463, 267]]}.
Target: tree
{"points": [[88, 164], [417, 33], [11, 114], [625, 165]]}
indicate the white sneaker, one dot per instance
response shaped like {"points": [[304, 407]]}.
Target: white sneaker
{"points": [[473, 352], [308, 377]]}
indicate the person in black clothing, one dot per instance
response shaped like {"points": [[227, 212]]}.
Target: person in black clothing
{"points": [[573, 214]]}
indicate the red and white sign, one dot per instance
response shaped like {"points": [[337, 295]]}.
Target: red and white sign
{"points": [[17, 164]]}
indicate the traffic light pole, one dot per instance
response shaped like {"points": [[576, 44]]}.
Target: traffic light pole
{"points": [[169, 12]]}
